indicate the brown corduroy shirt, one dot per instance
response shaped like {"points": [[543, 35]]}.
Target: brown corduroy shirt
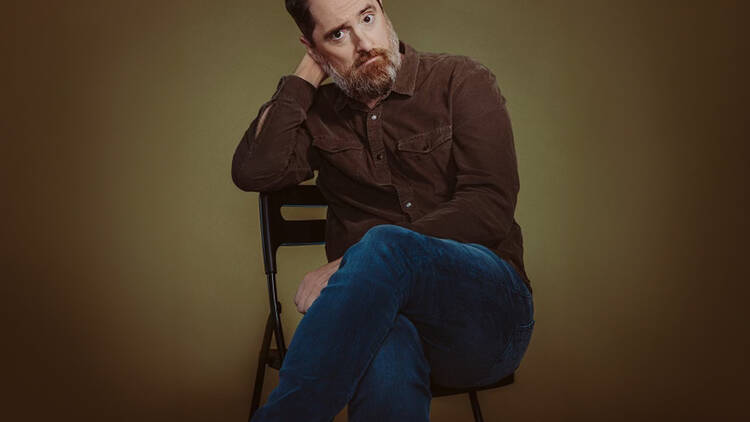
{"points": [[435, 156]]}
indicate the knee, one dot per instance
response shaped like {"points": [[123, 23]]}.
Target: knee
{"points": [[387, 255], [391, 239], [387, 232]]}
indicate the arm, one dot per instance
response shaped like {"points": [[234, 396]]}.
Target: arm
{"points": [[275, 152], [482, 207]]}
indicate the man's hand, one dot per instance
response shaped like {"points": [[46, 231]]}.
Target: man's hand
{"points": [[309, 70], [312, 283]]}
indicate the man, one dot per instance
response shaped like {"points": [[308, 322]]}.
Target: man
{"points": [[425, 276]]}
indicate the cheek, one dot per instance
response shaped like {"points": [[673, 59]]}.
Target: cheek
{"points": [[383, 30], [384, 40], [346, 65], [339, 62]]}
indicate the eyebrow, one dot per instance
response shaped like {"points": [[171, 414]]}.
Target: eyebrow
{"points": [[344, 25]]}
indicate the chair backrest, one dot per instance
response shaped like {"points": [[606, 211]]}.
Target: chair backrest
{"points": [[276, 231]]}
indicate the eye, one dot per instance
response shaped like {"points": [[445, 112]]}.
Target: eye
{"points": [[371, 18], [338, 35]]}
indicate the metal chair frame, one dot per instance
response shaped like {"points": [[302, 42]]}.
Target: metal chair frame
{"points": [[277, 231]]}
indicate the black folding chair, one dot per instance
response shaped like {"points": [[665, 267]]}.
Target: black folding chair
{"points": [[275, 232]]}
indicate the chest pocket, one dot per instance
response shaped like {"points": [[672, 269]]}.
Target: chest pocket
{"points": [[340, 156], [425, 142], [333, 145], [427, 157]]}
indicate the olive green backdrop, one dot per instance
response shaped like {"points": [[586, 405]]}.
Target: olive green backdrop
{"points": [[132, 275]]}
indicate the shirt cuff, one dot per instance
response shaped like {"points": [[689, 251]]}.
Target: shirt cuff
{"points": [[296, 89]]}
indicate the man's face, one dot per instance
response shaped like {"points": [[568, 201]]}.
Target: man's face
{"points": [[356, 45]]}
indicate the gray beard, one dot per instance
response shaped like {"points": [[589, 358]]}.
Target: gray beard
{"points": [[361, 87]]}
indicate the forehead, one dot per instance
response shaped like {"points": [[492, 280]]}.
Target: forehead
{"points": [[330, 13]]}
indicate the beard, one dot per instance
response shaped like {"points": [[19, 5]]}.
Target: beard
{"points": [[369, 81]]}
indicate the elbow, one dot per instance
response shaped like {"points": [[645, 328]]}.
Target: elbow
{"points": [[250, 173], [246, 176], [253, 179], [242, 183], [250, 179]]}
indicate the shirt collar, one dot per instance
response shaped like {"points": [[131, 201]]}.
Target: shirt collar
{"points": [[406, 77]]}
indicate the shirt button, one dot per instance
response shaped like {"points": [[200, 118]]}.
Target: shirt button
{"points": [[379, 156], [408, 205], [373, 117]]}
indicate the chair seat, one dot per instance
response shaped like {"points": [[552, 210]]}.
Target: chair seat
{"points": [[440, 390]]}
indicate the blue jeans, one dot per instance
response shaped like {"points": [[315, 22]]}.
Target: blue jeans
{"points": [[401, 309]]}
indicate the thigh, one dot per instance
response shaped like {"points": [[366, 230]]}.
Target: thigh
{"points": [[471, 309]]}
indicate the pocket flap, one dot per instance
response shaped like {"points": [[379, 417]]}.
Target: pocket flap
{"points": [[335, 144], [425, 142]]}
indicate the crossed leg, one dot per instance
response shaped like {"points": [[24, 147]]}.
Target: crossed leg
{"points": [[465, 305]]}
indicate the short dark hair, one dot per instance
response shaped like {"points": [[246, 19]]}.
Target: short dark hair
{"points": [[300, 11]]}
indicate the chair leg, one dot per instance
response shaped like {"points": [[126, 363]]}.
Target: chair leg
{"points": [[259, 375], [475, 406], [261, 371]]}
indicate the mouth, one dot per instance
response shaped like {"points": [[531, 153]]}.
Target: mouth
{"points": [[370, 61]]}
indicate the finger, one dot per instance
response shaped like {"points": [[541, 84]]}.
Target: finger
{"points": [[300, 303], [317, 290], [302, 292], [298, 295], [309, 301], [306, 304]]}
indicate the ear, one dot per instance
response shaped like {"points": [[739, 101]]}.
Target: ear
{"points": [[305, 42], [310, 50]]}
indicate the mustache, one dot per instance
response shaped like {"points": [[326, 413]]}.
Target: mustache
{"points": [[375, 52]]}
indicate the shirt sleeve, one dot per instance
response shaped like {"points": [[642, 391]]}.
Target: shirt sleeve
{"points": [[280, 156], [484, 200]]}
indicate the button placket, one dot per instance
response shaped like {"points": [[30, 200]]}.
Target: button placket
{"points": [[407, 205], [406, 199], [375, 139]]}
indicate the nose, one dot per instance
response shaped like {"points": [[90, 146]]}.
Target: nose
{"points": [[363, 43]]}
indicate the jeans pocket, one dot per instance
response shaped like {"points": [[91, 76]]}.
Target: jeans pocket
{"points": [[518, 344]]}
